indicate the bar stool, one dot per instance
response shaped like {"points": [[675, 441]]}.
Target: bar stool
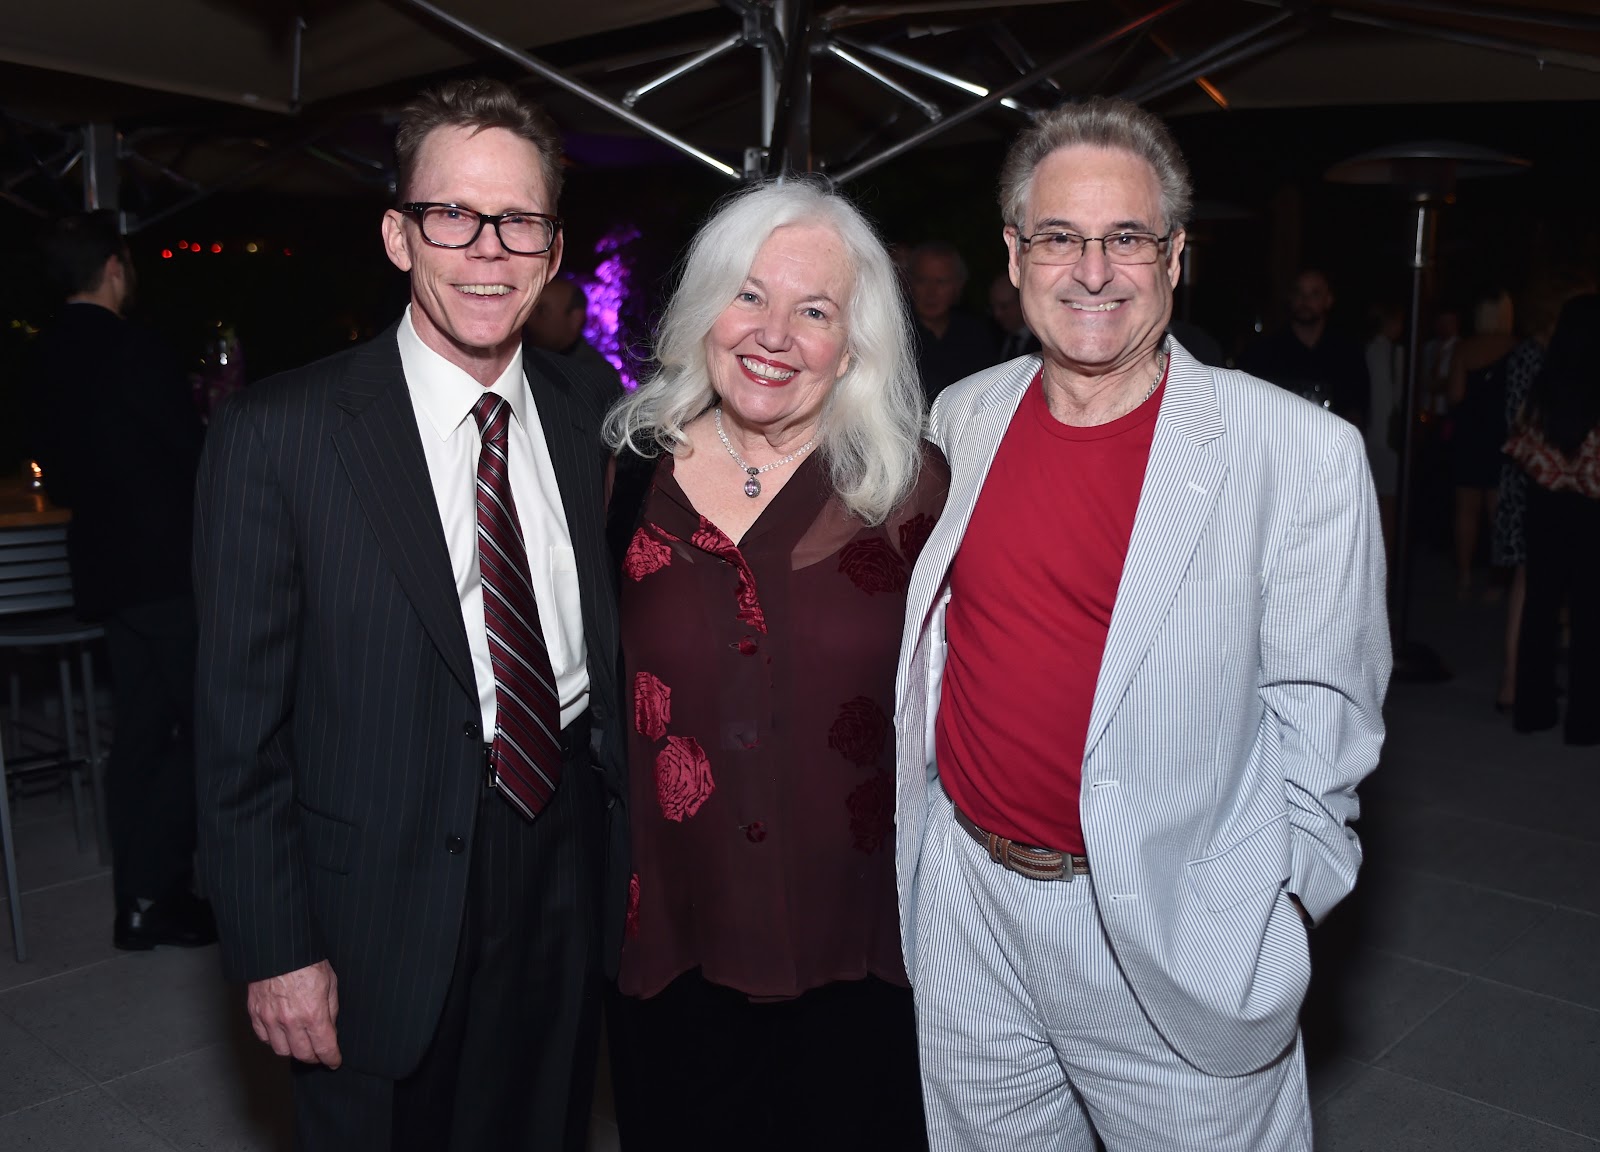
{"points": [[36, 612]]}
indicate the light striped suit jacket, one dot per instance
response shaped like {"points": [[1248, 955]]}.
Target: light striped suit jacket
{"points": [[1238, 704]]}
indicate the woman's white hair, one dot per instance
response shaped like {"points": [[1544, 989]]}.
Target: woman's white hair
{"points": [[870, 431]]}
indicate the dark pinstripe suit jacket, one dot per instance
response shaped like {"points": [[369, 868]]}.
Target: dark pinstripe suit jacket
{"points": [[340, 756]]}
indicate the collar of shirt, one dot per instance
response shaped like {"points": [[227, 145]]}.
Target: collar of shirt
{"points": [[444, 392]]}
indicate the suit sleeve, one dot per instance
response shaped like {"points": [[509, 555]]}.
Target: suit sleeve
{"points": [[248, 600], [1325, 668]]}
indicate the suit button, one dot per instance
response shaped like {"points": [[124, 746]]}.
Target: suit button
{"points": [[454, 845], [471, 730]]}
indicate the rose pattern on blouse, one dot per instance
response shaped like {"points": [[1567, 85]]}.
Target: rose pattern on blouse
{"points": [[914, 535], [683, 778], [645, 555], [631, 928], [859, 732], [873, 566], [871, 808], [709, 538], [652, 706]]}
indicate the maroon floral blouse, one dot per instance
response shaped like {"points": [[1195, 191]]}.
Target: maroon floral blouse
{"points": [[761, 756]]}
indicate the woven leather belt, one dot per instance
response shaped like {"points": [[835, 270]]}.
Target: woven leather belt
{"points": [[1024, 859]]}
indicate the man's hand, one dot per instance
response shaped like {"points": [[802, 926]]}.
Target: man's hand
{"points": [[295, 1013]]}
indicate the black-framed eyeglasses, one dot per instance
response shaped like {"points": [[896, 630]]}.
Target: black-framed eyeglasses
{"points": [[452, 226], [1068, 247]]}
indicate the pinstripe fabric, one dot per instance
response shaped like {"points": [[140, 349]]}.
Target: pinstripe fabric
{"points": [[1047, 1046], [339, 756], [1238, 703]]}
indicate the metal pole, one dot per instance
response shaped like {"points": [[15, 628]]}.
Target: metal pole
{"points": [[562, 80], [1539, 16], [1400, 584], [921, 69], [927, 107], [99, 167], [1019, 84], [683, 69], [844, 14], [1184, 70], [297, 32], [1544, 55]]}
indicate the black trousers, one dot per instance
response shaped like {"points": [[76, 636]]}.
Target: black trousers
{"points": [[511, 1066], [150, 802], [1563, 568], [700, 1067]]}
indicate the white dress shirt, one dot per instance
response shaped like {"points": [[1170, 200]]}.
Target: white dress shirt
{"points": [[442, 396]]}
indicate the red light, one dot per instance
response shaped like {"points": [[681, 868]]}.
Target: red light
{"points": [[184, 244], [288, 252], [216, 248], [166, 253]]}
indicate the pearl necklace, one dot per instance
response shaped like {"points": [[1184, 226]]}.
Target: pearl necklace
{"points": [[752, 486]]}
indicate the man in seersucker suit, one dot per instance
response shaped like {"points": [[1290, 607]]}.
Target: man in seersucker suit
{"points": [[407, 746], [1144, 661]]}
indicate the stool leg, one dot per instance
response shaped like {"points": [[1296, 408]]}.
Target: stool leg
{"points": [[16, 713], [69, 721], [97, 764], [18, 944]]}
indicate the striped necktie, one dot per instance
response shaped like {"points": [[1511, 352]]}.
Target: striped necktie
{"points": [[526, 753]]}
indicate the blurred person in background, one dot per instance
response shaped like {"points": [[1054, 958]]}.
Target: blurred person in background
{"points": [[773, 492], [557, 323], [1005, 309], [1476, 392], [1557, 442], [1309, 356], [1540, 306], [1385, 420], [950, 342], [118, 439]]}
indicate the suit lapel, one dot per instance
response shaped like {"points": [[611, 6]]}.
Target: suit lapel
{"points": [[970, 452], [1181, 485], [576, 457], [381, 451]]}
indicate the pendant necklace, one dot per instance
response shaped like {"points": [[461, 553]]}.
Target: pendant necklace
{"points": [[752, 486]]}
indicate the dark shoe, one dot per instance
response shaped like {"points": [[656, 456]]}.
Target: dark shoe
{"points": [[184, 920]]}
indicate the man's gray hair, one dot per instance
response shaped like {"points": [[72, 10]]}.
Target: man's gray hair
{"points": [[870, 431], [1100, 122]]}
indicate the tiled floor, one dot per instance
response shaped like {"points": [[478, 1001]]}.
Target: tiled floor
{"points": [[1456, 1005]]}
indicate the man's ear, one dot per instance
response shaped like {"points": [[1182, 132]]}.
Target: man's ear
{"points": [[394, 240]]}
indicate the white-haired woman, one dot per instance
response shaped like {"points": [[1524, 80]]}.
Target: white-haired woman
{"points": [[780, 493]]}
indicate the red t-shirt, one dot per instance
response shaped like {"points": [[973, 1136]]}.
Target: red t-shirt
{"points": [[1033, 587]]}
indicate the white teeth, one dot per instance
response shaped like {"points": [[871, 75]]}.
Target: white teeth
{"points": [[765, 371], [1108, 306], [484, 289]]}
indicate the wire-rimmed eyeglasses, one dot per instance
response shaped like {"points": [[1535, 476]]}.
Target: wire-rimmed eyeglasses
{"points": [[452, 226], [1055, 247]]}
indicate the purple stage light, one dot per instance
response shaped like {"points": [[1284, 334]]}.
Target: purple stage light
{"points": [[607, 292]]}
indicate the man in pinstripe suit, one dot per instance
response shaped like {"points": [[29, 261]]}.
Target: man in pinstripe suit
{"points": [[1142, 674], [417, 929]]}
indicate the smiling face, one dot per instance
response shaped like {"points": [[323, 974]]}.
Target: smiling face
{"points": [[1094, 317], [469, 304], [777, 348]]}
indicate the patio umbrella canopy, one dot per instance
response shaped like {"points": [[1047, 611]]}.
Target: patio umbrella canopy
{"points": [[243, 92]]}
